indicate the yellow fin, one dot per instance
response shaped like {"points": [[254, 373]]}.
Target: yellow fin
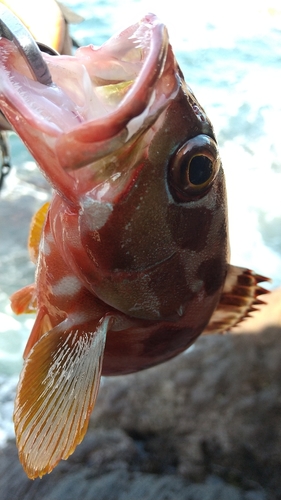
{"points": [[56, 394], [35, 231], [238, 299]]}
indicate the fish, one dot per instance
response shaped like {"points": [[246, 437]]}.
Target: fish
{"points": [[132, 253]]}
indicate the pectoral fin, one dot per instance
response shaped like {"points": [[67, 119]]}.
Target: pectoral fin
{"points": [[42, 325], [56, 394], [238, 299], [24, 300]]}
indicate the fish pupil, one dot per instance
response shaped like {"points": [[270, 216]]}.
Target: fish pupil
{"points": [[200, 169]]}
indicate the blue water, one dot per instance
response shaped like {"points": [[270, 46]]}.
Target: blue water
{"points": [[230, 53]]}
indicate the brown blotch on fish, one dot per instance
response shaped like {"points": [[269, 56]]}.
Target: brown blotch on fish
{"points": [[197, 221], [212, 275]]}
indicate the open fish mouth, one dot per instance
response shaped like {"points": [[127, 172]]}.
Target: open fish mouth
{"points": [[99, 99]]}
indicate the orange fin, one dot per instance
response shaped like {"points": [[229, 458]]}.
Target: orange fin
{"points": [[24, 300], [238, 299], [35, 231], [41, 326], [56, 394]]}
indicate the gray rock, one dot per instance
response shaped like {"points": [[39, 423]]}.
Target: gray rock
{"points": [[204, 426]]}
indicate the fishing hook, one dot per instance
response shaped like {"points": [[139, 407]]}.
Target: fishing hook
{"points": [[13, 29], [5, 164]]}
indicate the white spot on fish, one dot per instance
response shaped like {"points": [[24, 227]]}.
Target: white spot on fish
{"points": [[45, 247], [136, 123], [67, 286], [97, 212]]}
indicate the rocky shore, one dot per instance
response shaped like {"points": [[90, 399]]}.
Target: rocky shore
{"points": [[204, 426]]}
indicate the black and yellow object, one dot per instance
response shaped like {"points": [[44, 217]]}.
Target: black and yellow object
{"points": [[47, 21], [48, 24]]}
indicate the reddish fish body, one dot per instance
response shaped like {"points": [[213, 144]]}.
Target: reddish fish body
{"points": [[133, 258], [158, 329], [142, 262]]}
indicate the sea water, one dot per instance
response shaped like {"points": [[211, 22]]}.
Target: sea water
{"points": [[230, 54]]}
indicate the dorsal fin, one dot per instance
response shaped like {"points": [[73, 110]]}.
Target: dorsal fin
{"points": [[238, 299]]}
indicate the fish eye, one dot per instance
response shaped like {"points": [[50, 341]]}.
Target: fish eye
{"points": [[193, 169]]}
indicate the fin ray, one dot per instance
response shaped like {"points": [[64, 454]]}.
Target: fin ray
{"points": [[56, 394], [24, 300], [41, 326], [238, 299], [35, 231]]}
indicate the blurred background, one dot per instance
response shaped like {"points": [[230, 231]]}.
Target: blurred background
{"points": [[230, 54]]}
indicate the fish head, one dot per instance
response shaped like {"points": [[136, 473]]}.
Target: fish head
{"points": [[139, 211]]}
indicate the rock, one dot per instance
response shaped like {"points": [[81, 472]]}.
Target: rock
{"points": [[203, 426]]}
